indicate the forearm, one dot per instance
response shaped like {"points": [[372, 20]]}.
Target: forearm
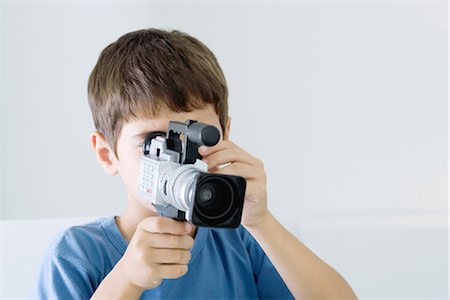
{"points": [[114, 286], [304, 273]]}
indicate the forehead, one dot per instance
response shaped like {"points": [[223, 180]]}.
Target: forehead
{"points": [[161, 121]]}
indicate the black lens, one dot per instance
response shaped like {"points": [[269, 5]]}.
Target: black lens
{"points": [[205, 194], [214, 197], [219, 200]]}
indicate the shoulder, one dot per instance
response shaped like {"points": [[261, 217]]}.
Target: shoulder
{"points": [[76, 237], [82, 244], [75, 262]]}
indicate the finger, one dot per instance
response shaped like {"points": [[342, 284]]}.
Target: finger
{"points": [[254, 187], [170, 256], [171, 271], [230, 155], [157, 224], [241, 169], [166, 241], [224, 145], [203, 150]]}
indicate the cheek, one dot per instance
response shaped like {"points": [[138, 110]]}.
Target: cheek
{"points": [[129, 168], [130, 165]]}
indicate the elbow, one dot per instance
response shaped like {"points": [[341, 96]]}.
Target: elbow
{"points": [[340, 290]]}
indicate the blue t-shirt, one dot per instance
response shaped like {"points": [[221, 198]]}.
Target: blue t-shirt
{"points": [[225, 264]]}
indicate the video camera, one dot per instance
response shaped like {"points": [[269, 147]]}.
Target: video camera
{"points": [[175, 179]]}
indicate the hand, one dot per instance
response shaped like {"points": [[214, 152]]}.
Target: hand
{"points": [[245, 165], [159, 249]]}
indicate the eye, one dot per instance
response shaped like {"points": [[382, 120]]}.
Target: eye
{"points": [[143, 137]]}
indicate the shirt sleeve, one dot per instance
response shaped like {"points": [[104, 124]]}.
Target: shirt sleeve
{"points": [[269, 283], [63, 278]]}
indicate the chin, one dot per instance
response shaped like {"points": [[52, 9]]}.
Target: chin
{"points": [[146, 206]]}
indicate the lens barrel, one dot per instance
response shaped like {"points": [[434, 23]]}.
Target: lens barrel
{"points": [[219, 200], [214, 200]]}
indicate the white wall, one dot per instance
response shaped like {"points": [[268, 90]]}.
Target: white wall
{"points": [[345, 102]]}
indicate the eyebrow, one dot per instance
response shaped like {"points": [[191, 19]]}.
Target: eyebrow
{"points": [[146, 133]]}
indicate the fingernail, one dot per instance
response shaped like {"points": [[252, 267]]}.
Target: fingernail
{"points": [[188, 226], [203, 148]]}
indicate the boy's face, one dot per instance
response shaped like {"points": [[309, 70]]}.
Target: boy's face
{"points": [[129, 145]]}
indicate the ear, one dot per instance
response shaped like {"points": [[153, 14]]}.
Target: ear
{"points": [[105, 156], [226, 134]]}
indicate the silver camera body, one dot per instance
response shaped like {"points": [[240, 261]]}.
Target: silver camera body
{"points": [[175, 180], [168, 185]]}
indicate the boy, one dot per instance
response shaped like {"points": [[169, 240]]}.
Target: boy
{"points": [[141, 82]]}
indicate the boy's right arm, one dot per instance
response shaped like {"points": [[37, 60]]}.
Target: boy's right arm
{"points": [[159, 249]]}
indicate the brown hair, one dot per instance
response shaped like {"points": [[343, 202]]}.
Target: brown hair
{"points": [[147, 69]]}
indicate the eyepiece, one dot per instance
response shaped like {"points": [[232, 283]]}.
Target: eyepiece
{"points": [[203, 134]]}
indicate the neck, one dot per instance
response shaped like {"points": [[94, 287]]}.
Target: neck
{"points": [[133, 214]]}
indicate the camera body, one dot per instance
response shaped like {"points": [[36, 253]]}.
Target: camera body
{"points": [[175, 180]]}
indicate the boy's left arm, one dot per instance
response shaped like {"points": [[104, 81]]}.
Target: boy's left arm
{"points": [[305, 274]]}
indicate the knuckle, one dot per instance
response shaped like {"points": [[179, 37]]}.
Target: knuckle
{"points": [[263, 175], [187, 256], [260, 163], [179, 256], [184, 257], [173, 240], [181, 270], [158, 224], [156, 283], [144, 223], [189, 242], [141, 224], [211, 161]]}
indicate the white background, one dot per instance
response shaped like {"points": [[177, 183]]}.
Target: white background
{"points": [[345, 102]]}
